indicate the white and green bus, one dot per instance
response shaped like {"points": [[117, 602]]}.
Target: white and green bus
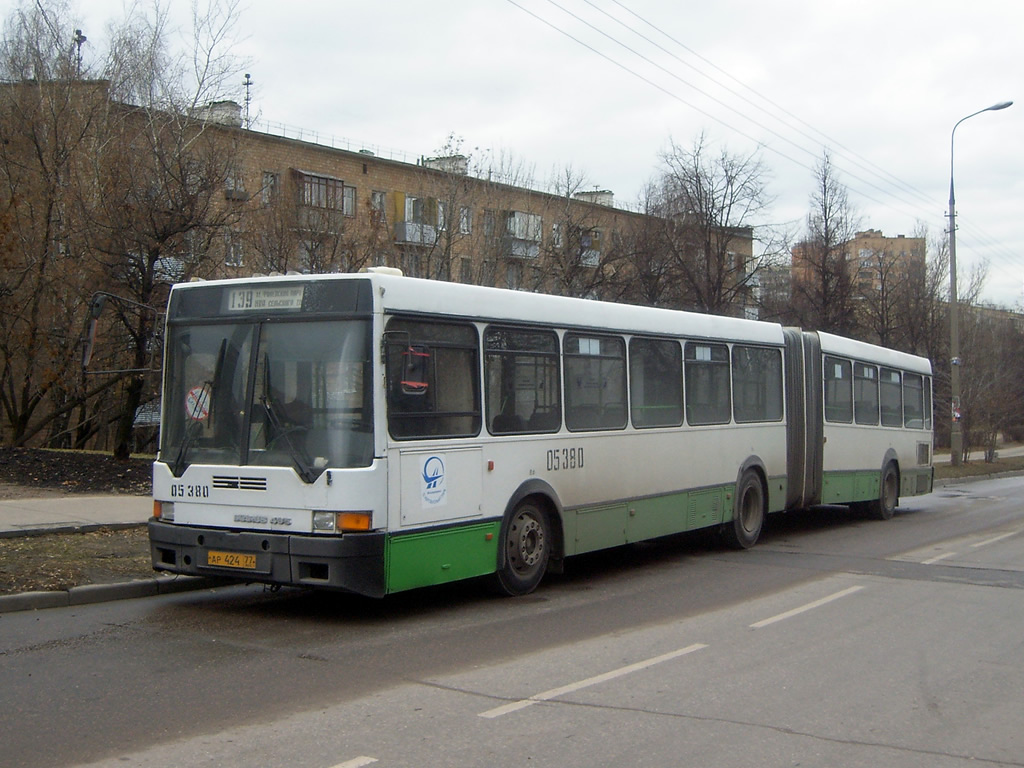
{"points": [[376, 433]]}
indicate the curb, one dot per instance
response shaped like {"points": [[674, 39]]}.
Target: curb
{"points": [[165, 585], [68, 528], [942, 482], [101, 593]]}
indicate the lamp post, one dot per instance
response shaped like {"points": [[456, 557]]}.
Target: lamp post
{"points": [[956, 444]]}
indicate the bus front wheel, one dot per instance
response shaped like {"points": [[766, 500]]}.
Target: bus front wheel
{"points": [[526, 543], [748, 516], [884, 507]]}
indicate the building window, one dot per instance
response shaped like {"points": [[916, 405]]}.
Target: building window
{"points": [[514, 276], [270, 188], [233, 250], [415, 209], [524, 226], [442, 215], [328, 193], [378, 208], [465, 220], [590, 248], [234, 184]]}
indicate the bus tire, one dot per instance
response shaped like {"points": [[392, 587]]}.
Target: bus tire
{"points": [[526, 547], [748, 517], [884, 507]]}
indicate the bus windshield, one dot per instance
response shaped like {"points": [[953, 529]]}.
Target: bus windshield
{"points": [[278, 393]]}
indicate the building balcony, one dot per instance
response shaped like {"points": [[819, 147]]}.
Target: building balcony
{"points": [[411, 233], [518, 248]]}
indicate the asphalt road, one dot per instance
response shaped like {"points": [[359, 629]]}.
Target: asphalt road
{"points": [[837, 641]]}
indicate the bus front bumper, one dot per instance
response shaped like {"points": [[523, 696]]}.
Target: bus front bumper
{"points": [[351, 562]]}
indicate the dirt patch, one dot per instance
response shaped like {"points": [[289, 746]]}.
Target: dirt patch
{"points": [[60, 561], [72, 472]]}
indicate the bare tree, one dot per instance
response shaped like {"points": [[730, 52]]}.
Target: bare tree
{"points": [[992, 396], [48, 119], [155, 199], [577, 257], [708, 205], [823, 289], [645, 271]]}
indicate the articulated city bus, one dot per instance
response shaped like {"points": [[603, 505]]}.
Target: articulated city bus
{"points": [[376, 433]]}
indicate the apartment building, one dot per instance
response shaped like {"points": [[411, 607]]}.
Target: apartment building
{"points": [[877, 257], [872, 260], [304, 206]]}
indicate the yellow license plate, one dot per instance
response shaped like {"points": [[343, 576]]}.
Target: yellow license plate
{"points": [[231, 560]]}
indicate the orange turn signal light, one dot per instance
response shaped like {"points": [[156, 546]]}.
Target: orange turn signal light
{"points": [[354, 521]]}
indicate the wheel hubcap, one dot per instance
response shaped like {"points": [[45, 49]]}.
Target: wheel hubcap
{"points": [[526, 542]]}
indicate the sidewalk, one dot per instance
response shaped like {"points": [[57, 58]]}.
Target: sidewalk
{"points": [[63, 514], [978, 454], [76, 513]]}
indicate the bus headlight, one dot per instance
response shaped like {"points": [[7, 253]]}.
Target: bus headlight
{"points": [[338, 522], [325, 522], [163, 510]]}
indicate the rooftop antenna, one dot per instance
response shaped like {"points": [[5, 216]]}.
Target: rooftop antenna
{"points": [[78, 39], [248, 98]]}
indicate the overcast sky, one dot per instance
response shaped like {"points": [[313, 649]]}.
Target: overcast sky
{"points": [[603, 85]]}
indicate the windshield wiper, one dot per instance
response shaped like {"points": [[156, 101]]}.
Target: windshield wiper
{"points": [[192, 429], [303, 464], [195, 418]]}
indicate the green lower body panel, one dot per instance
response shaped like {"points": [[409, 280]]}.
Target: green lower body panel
{"points": [[914, 482], [864, 485], [847, 487], [611, 525], [443, 555]]}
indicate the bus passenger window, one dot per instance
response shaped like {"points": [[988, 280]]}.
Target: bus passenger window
{"points": [[595, 382], [414, 377], [756, 384], [927, 402], [865, 394], [708, 400], [913, 401], [655, 383], [433, 379], [838, 390], [522, 388], [891, 397]]}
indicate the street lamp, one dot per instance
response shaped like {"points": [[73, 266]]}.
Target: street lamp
{"points": [[956, 443]]}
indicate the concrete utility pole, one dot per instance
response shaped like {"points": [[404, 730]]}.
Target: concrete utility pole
{"points": [[956, 437]]}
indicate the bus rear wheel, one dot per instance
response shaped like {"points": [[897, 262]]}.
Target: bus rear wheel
{"points": [[884, 507], [526, 543], [748, 517]]}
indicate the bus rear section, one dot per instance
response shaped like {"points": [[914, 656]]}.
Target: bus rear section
{"points": [[862, 435]]}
